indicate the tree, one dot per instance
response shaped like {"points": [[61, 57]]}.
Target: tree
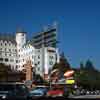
{"points": [[4, 70], [81, 66], [89, 65], [63, 65], [87, 76]]}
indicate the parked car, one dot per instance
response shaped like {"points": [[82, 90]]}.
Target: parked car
{"points": [[83, 92], [97, 92], [38, 91], [13, 91], [88, 92], [55, 92]]}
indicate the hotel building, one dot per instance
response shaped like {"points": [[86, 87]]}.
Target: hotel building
{"points": [[41, 49]]}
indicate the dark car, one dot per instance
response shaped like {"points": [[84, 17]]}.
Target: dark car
{"points": [[13, 91]]}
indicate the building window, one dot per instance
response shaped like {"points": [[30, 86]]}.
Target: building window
{"points": [[16, 66], [6, 59], [38, 51], [38, 69], [32, 57], [5, 54], [51, 63], [1, 59], [16, 61], [52, 51], [51, 57], [10, 50], [9, 44], [1, 49], [5, 44], [11, 60], [16, 55], [15, 50], [1, 44], [32, 62], [38, 62], [38, 57]]}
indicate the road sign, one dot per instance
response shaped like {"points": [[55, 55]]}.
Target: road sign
{"points": [[70, 81]]}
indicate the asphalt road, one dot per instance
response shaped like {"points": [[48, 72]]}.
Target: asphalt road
{"points": [[71, 97], [86, 96]]}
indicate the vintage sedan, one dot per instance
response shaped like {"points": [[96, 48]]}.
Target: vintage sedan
{"points": [[13, 91], [38, 91], [55, 92]]}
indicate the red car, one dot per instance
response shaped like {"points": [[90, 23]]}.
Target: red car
{"points": [[55, 92]]}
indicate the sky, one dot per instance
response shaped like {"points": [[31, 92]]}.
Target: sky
{"points": [[78, 24]]}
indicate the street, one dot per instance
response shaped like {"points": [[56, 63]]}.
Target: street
{"points": [[73, 97], [86, 96]]}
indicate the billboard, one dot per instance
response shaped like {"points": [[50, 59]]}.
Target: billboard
{"points": [[69, 73], [71, 81]]}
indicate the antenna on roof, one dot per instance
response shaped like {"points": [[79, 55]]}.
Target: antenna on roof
{"points": [[55, 23], [45, 28], [19, 29]]}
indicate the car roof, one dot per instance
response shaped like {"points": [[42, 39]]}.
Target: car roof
{"points": [[41, 86], [12, 83]]}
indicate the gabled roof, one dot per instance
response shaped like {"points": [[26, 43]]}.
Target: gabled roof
{"points": [[8, 37]]}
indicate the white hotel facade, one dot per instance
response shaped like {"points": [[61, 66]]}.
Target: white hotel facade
{"points": [[16, 50]]}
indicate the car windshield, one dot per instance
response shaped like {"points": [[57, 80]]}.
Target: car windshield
{"points": [[6, 87], [35, 88]]}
